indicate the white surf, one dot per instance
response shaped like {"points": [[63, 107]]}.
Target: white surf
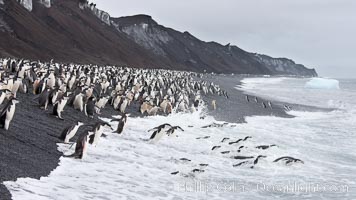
{"points": [[129, 167]]}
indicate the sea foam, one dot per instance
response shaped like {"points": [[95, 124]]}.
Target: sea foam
{"points": [[127, 166]]}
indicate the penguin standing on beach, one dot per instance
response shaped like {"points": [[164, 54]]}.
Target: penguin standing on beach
{"points": [[213, 104], [5, 93], [53, 95], [7, 113], [43, 99], [264, 105], [59, 106], [70, 132], [89, 107], [78, 102], [121, 124], [247, 98]]}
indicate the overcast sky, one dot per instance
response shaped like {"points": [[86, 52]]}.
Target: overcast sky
{"points": [[320, 34]]}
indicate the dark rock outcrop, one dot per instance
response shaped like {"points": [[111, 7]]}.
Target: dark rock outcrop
{"points": [[77, 31]]}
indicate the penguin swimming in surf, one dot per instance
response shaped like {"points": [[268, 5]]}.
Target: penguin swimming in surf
{"points": [[241, 164], [247, 137], [235, 142], [215, 147], [98, 131], [171, 131], [288, 160], [242, 157], [263, 147], [256, 160], [163, 126], [159, 131]]}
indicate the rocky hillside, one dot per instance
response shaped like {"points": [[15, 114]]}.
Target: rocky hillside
{"points": [[76, 31]]}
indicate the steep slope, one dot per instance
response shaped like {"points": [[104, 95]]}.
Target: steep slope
{"points": [[66, 33], [75, 31], [187, 50]]}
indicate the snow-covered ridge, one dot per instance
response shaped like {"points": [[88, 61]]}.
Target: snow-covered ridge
{"points": [[284, 66], [148, 36], [26, 4], [102, 15], [3, 25], [46, 3]]}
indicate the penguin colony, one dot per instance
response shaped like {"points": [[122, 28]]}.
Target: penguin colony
{"points": [[90, 88]]}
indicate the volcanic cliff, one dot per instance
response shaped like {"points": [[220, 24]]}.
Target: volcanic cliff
{"points": [[76, 31]]}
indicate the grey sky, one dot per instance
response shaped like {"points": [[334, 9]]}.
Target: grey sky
{"points": [[320, 34]]}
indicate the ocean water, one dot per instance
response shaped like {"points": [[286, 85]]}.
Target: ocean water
{"points": [[129, 167]]}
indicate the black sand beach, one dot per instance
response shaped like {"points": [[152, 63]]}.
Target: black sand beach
{"points": [[236, 108], [29, 147]]}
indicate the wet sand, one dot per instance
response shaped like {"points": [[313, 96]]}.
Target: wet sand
{"points": [[236, 108], [29, 147]]}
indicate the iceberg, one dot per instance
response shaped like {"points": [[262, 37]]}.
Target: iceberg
{"points": [[322, 83]]}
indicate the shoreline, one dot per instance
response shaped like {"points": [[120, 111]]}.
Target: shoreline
{"points": [[29, 148], [236, 108]]}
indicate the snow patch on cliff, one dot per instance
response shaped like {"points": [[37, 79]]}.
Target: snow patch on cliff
{"points": [[46, 3], [4, 27], [105, 17], [26, 4], [102, 15], [284, 66], [148, 36]]}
